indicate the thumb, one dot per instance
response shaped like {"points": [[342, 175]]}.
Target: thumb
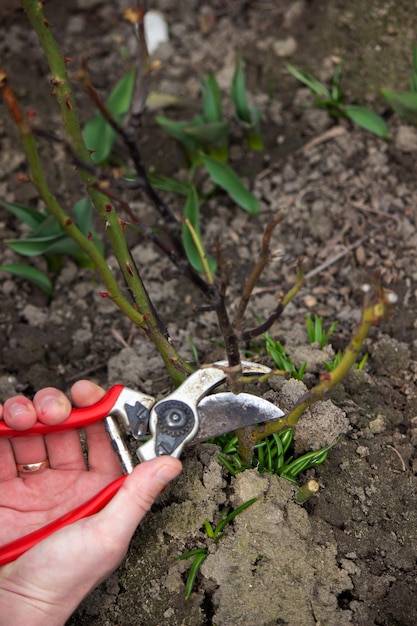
{"points": [[137, 494]]}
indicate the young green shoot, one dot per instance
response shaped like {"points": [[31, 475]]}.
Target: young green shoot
{"points": [[248, 118], [404, 103], [316, 332], [281, 359], [47, 238], [332, 100], [215, 533], [270, 455]]}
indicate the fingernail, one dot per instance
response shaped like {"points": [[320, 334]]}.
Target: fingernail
{"points": [[16, 409], [48, 402], [166, 473]]}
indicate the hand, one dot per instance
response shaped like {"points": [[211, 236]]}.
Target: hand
{"points": [[47, 583]]}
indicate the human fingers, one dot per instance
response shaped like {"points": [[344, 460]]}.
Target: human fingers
{"points": [[64, 448], [51, 405], [101, 456], [8, 469], [85, 393], [120, 518], [20, 414]]}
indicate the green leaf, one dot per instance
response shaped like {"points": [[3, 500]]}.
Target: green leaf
{"points": [[414, 70], [189, 554], [32, 246], [306, 461], [99, 136], [230, 517], [212, 103], [157, 101], [49, 227], [31, 274], [312, 83], [192, 212], [26, 214], [120, 98], [66, 245], [336, 90], [238, 93], [209, 529], [83, 214], [404, 104], [226, 178], [176, 130], [248, 117], [367, 119], [210, 134], [194, 569], [165, 183]]}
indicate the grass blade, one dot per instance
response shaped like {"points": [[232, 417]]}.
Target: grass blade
{"points": [[189, 554], [194, 569], [231, 516], [192, 237]]}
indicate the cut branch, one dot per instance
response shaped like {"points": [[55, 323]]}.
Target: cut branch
{"points": [[256, 272]]}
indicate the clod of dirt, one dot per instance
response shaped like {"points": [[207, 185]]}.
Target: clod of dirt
{"points": [[390, 356], [274, 540], [319, 426], [131, 368]]}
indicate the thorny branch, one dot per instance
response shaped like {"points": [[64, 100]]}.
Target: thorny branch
{"points": [[101, 187], [231, 332]]}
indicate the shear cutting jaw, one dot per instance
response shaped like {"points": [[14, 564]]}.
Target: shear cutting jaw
{"points": [[175, 422], [130, 415]]}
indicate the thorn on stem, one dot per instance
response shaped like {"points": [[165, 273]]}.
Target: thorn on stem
{"points": [[56, 82], [129, 268], [68, 103]]}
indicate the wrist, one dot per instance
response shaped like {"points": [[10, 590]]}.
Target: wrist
{"points": [[20, 610]]}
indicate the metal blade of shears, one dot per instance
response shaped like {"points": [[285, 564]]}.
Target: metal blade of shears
{"points": [[225, 412]]}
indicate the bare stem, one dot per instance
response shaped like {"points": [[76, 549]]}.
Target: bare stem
{"points": [[176, 366], [256, 272], [306, 491], [373, 313], [64, 219]]}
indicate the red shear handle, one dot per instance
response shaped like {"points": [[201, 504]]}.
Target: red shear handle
{"points": [[14, 549], [78, 418]]}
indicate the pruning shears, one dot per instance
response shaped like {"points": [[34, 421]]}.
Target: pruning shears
{"points": [[190, 414]]}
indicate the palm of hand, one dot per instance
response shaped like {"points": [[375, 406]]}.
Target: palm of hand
{"points": [[29, 502]]}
